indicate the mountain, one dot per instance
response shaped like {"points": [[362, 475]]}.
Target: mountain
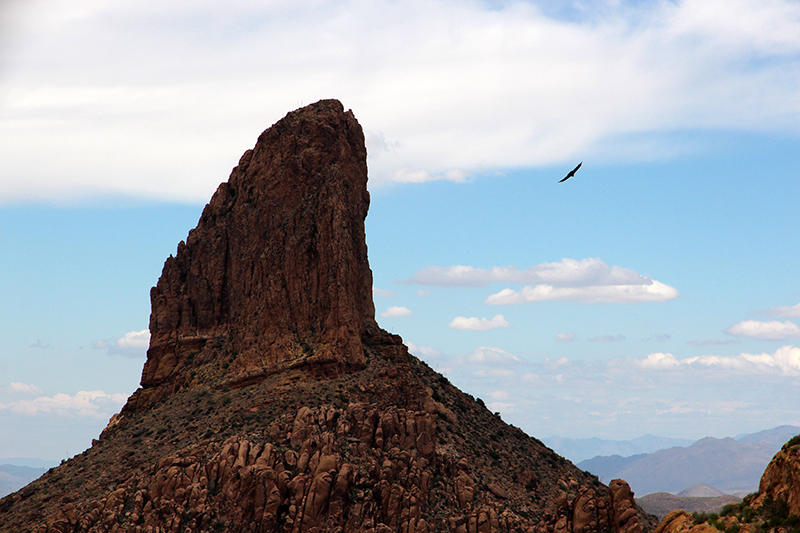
{"points": [[663, 503], [578, 450], [271, 400], [13, 477], [733, 466], [775, 507], [774, 437]]}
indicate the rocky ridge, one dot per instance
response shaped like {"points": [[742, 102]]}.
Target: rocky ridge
{"points": [[272, 401]]}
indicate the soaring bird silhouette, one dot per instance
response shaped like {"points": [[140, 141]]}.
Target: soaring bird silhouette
{"points": [[572, 172]]}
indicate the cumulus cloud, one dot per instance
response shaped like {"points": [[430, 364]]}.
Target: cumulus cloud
{"points": [[89, 404], [771, 331], [565, 337], [396, 311], [133, 344], [785, 360], [675, 66], [479, 324], [655, 291], [786, 311], [658, 361]]}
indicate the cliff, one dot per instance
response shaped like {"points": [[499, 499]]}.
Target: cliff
{"points": [[271, 401]]}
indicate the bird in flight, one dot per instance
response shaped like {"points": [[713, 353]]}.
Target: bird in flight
{"points": [[572, 172]]}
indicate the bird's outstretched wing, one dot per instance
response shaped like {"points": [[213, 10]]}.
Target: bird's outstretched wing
{"points": [[572, 172]]}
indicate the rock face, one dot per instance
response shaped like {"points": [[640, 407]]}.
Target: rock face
{"points": [[271, 401], [276, 273]]}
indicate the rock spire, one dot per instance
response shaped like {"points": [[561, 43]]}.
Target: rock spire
{"points": [[275, 275]]}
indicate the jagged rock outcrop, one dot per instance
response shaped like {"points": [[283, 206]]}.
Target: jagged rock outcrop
{"points": [[276, 273], [271, 401]]}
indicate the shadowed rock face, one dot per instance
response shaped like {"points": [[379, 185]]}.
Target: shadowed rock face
{"points": [[276, 271]]}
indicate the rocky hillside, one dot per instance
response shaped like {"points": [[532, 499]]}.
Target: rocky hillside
{"points": [[775, 508], [272, 401], [662, 503]]}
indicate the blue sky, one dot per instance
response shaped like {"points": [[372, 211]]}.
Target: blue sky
{"points": [[657, 291]]}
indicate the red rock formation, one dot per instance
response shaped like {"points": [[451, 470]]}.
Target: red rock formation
{"points": [[276, 273], [272, 402]]}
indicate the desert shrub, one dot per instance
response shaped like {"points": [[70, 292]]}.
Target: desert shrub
{"points": [[794, 441]]}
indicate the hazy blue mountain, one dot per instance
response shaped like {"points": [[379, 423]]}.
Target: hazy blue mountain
{"points": [[13, 477], [775, 437], [731, 465], [577, 450]]}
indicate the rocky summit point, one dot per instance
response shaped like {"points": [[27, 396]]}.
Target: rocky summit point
{"points": [[271, 400]]}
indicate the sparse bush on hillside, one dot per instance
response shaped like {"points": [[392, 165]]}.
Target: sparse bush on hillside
{"points": [[794, 441]]}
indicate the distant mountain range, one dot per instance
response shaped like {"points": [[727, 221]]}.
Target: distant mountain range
{"points": [[14, 477], [734, 466], [577, 450]]}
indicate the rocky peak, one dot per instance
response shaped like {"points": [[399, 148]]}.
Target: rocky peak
{"points": [[272, 402], [275, 275]]}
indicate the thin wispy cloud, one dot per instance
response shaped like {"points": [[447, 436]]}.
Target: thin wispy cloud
{"points": [[661, 67], [712, 342], [396, 311], [771, 331], [91, 404], [587, 280], [608, 338], [565, 337], [490, 356], [786, 311], [383, 293], [16, 387], [479, 324]]}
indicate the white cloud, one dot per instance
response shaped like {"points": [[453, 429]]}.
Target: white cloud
{"points": [[424, 352], [658, 361], [91, 404], [16, 387], [565, 273], [771, 331], [133, 344], [653, 292], [396, 311], [565, 337], [664, 66], [383, 293], [786, 311], [490, 355], [785, 360], [479, 324], [585, 280]]}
